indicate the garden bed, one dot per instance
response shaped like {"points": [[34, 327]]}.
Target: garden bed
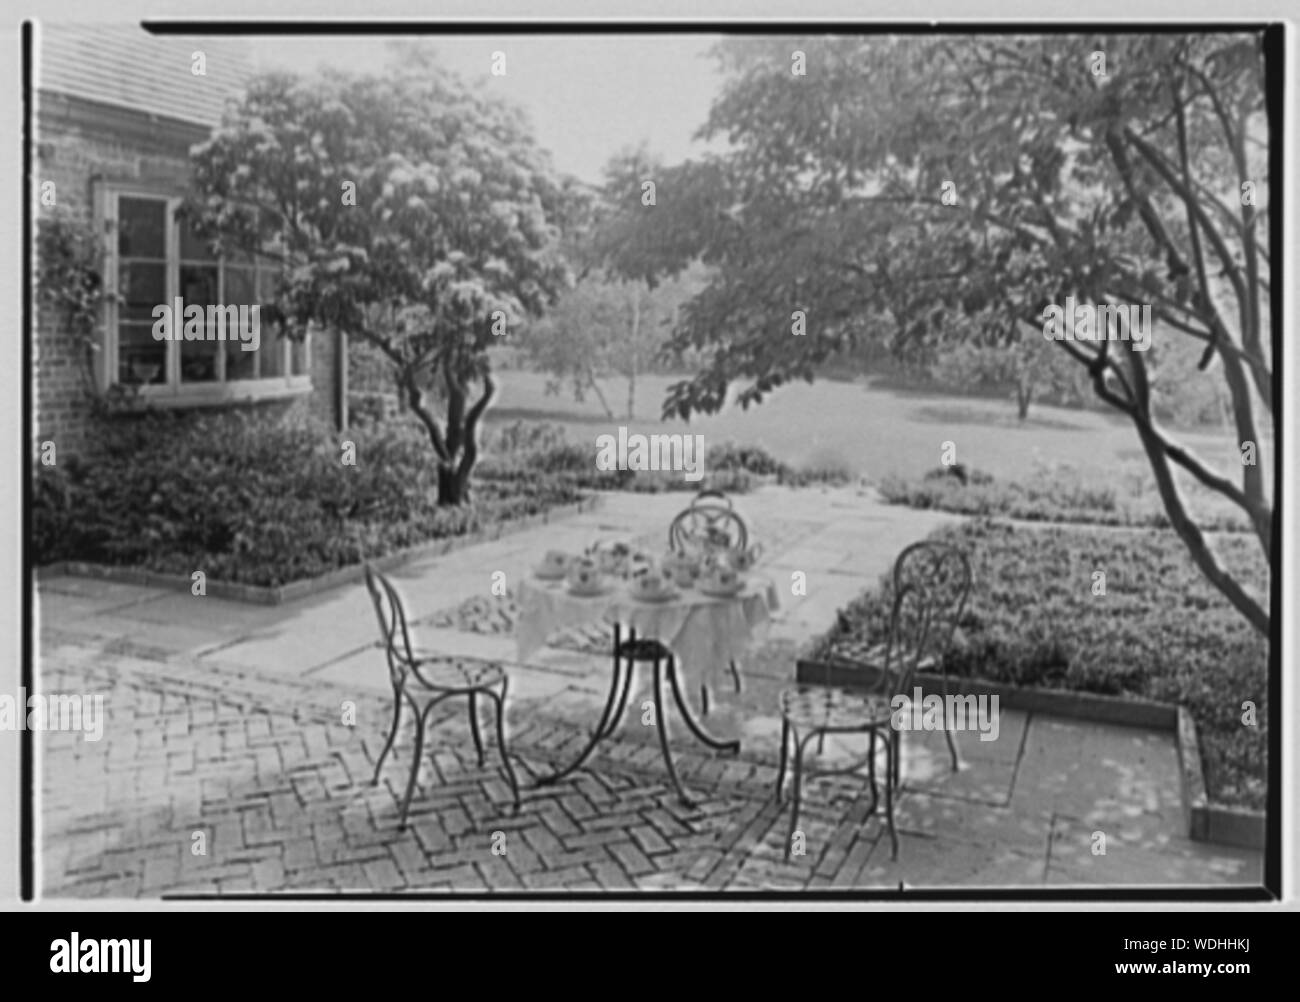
{"points": [[267, 508], [1161, 632], [1058, 493], [259, 504]]}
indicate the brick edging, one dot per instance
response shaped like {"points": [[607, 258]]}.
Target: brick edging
{"points": [[265, 595], [1204, 821]]}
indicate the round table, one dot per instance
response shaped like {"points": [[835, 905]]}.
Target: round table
{"points": [[700, 631]]}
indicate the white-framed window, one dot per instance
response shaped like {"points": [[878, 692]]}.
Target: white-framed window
{"points": [[152, 258]]}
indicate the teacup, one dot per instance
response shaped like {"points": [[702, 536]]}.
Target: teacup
{"points": [[651, 583], [721, 579], [676, 563], [744, 560], [610, 562], [584, 575], [555, 560]]}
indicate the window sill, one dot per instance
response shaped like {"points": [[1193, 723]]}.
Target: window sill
{"points": [[248, 391]]}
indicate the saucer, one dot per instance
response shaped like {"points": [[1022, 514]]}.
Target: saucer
{"points": [[550, 574], [663, 596], [589, 592], [714, 591]]}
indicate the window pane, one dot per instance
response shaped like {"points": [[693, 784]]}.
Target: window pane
{"points": [[193, 247], [299, 354], [198, 361], [142, 287], [238, 291], [271, 352], [198, 287], [140, 359], [141, 227], [239, 286]]}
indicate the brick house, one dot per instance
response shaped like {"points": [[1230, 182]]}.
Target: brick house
{"points": [[116, 112]]}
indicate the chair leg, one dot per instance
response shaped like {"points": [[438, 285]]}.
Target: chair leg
{"points": [[952, 747], [947, 734], [473, 727], [896, 759], [501, 739], [420, 720], [798, 792], [392, 734], [704, 700], [735, 675], [780, 765], [890, 756], [871, 773]]}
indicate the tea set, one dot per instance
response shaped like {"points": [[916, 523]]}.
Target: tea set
{"points": [[717, 574]]}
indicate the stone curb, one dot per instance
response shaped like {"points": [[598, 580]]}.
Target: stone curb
{"points": [[1205, 822], [262, 595]]}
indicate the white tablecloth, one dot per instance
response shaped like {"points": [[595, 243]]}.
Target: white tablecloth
{"points": [[706, 634]]}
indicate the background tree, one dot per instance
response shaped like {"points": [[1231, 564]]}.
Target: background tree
{"points": [[1029, 367], [409, 211], [606, 327], [936, 178]]}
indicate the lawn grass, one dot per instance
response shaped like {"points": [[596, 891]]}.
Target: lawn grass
{"points": [[874, 432], [1161, 631]]}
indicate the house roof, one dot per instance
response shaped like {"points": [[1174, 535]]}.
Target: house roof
{"points": [[122, 64]]}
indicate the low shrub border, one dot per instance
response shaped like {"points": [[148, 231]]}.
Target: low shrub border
{"points": [[1204, 821], [261, 595]]}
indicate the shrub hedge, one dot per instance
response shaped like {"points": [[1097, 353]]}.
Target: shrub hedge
{"points": [[1161, 631], [254, 501]]}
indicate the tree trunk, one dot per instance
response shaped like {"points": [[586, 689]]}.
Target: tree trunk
{"points": [[451, 485], [632, 355], [600, 394], [1024, 394]]}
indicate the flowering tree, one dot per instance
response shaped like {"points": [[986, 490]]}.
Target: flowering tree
{"points": [[409, 212]]}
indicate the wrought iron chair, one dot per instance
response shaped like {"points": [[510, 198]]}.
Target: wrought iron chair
{"points": [[424, 680], [931, 583], [709, 523]]}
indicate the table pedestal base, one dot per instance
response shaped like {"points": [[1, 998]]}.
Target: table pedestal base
{"points": [[616, 704]]}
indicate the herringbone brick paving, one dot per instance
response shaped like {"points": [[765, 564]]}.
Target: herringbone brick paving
{"points": [[280, 789]]}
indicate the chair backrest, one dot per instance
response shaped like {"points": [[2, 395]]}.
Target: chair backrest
{"points": [[939, 574], [708, 523], [910, 625], [392, 625]]}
